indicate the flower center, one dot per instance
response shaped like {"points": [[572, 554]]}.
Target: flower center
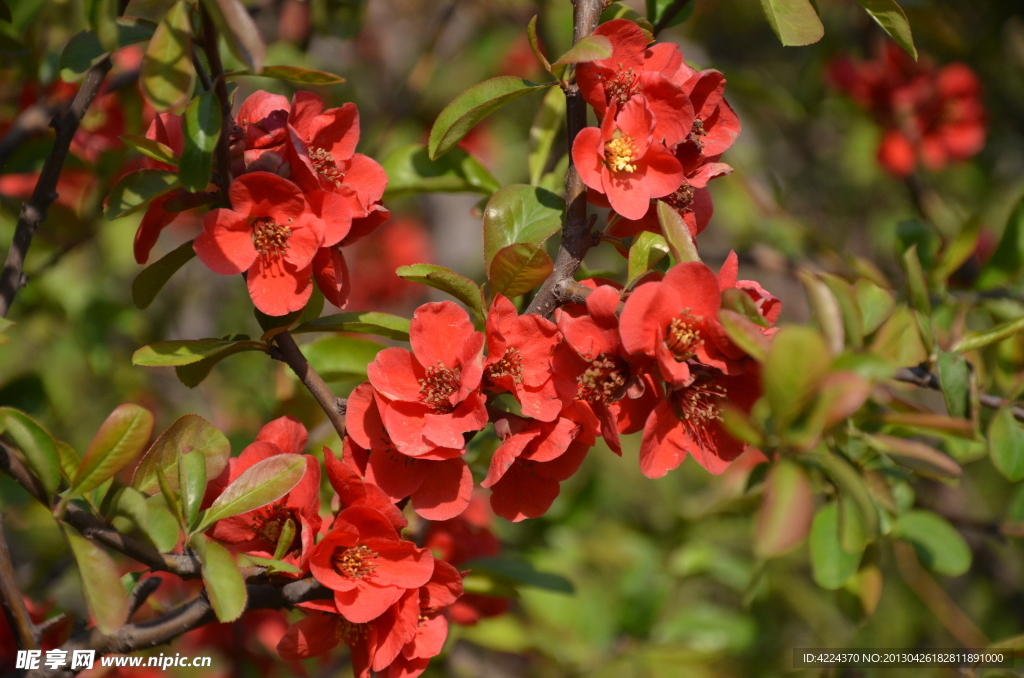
{"points": [[682, 198], [324, 165], [510, 365], [621, 87], [269, 521], [354, 563], [696, 132], [620, 154], [682, 336], [348, 632], [438, 385], [603, 381], [269, 237], [698, 405]]}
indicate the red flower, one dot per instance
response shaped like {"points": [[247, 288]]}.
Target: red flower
{"points": [[431, 395], [440, 593], [519, 352], [270, 234], [689, 421], [352, 490], [534, 457], [263, 128], [633, 70], [715, 125], [769, 305], [623, 161], [675, 321], [259, 531], [367, 566], [592, 355], [439, 481], [931, 115]]}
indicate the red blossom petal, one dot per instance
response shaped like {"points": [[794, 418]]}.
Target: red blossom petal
{"points": [[339, 131], [305, 108], [646, 316], [521, 494], [445, 492], [628, 45], [400, 563], [341, 536], [444, 587], [395, 628], [155, 220], [442, 333], [588, 157], [225, 245], [262, 194], [663, 173], [396, 474], [366, 602], [368, 179], [277, 288], [287, 433], [333, 213], [331, 274], [309, 637], [506, 454], [372, 524], [697, 287], [396, 374]]}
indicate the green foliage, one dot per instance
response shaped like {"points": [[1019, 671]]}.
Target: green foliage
{"points": [[224, 583], [1006, 445], [520, 214], [136, 190], [545, 129], [168, 74], [257, 486], [937, 543], [151, 148], [84, 49], [891, 17], [341, 358], [101, 586], [189, 433], [677, 234], [239, 31], [644, 254], [370, 322], [36, 444], [831, 565], [200, 131], [515, 572], [517, 269], [447, 280], [120, 440], [410, 170], [795, 22], [173, 353], [151, 280]]}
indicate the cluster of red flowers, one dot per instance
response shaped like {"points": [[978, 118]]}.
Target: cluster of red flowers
{"points": [[663, 128], [667, 368], [301, 194], [931, 115], [391, 597]]}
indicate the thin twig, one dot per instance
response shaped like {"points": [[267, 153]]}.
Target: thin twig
{"points": [[25, 632], [577, 237], [669, 14], [220, 87], [919, 376], [33, 212], [142, 591], [331, 404]]}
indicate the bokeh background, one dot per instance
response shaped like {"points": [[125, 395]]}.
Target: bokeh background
{"points": [[666, 583]]}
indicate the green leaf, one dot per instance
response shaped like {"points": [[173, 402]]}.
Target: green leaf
{"points": [[853, 322], [162, 529], [546, 126], [956, 253], [519, 268], [745, 334], [916, 281], [1006, 445], [150, 148], [644, 254], [341, 358], [519, 213], [168, 353], [827, 313], [925, 460], [738, 301], [224, 583], [129, 503], [876, 304], [271, 564], [171, 497], [410, 170], [831, 566], [258, 486], [794, 21], [191, 483], [167, 74], [446, 280], [36, 444], [797, 362], [193, 374], [981, 339], [620, 10], [69, 459], [134, 191], [531, 35], [121, 438], [657, 9], [899, 339], [305, 76], [190, 432], [520, 572], [360, 322], [787, 508], [955, 379], [285, 539], [938, 544], [589, 48], [677, 234], [102, 15], [472, 106], [200, 130], [84, 50], [239, 32], [151, 280], [1008, 258], [101, 586], [851, 482], [890, 17]]}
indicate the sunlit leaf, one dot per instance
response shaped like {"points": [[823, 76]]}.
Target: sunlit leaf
{"points": [[899, 339], [831, 566], [360, 322], [101, 584], [939, 546], [135, 190], [341, 358], [794, 21], [239, 31], [446, 280], [305, 76], [187, 433], [121, 438], [410, 170], [1006, 445], [224, 583], [797, 362], [876, 304], [168, 353], [519, 213], [84, 49], [677, 234], [589, 48], [193, 374], [519, 268], [36, 444], [644, 254], [257, 486], [168, 74], [200, 132], [890, 17], [191, 483], [983, 338], [151, 148], [547, 124], [787, 508], [472, 106]]}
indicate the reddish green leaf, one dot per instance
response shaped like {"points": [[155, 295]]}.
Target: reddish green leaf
{"points": [[849, 309], [150, 148], [794, 21], [1006, 445], [890, 17], [797, 363], [827, 313], [305, 76], [589, 48], [239, 31], [677, 234], [519, 268], [200, 131], [472, 106], [899, 339], [531, 34], [121, 438], [190, 432], [787, 508], [915, 455], [446, 280], [134, 191], [258, 486], [168, 74], [520, 214], [745, 334], [101, 586]]}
